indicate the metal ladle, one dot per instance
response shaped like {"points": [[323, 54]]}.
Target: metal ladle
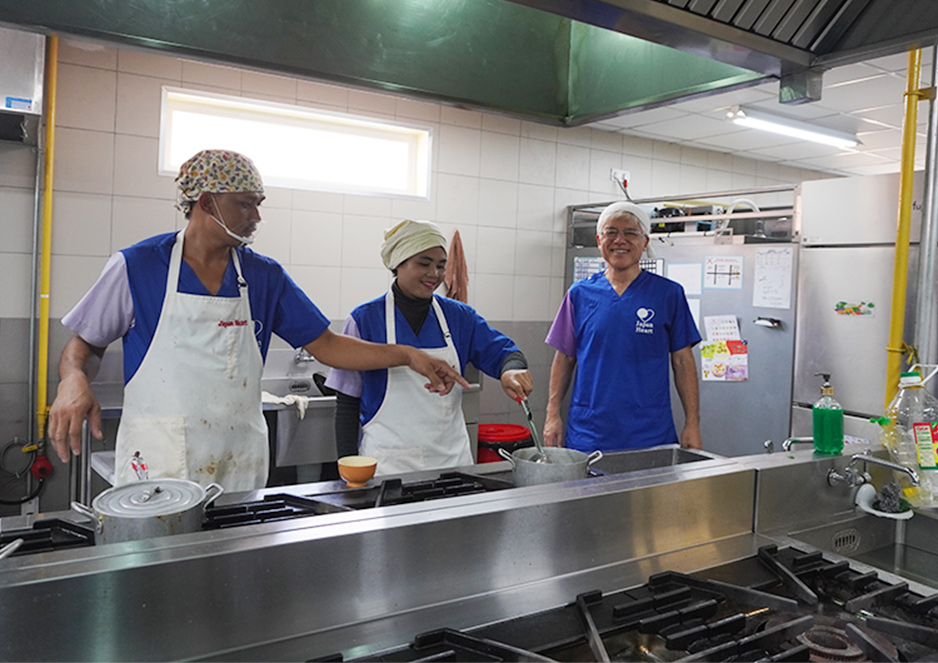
{"points": [[541, 456]]}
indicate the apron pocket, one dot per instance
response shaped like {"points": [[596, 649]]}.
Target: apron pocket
{"points": [[160, 440]]}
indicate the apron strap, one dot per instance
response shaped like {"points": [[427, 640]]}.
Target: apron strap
{"points": [[175, 265], [390, 321]]}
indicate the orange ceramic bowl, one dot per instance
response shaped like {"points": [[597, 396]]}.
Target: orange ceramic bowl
{"points": [[357, 470]]}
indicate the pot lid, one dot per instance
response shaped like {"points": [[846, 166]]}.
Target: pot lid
{"points": [[154, 497]]}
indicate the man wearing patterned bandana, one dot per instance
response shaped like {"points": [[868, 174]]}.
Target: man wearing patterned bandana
{"points": [[195, 311]]}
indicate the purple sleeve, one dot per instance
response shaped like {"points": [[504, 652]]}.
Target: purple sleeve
{"points": [[106, 311], [348, 382], [561, 335]]}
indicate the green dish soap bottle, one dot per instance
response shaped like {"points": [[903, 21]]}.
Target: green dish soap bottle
{"points": [[828, 424]]}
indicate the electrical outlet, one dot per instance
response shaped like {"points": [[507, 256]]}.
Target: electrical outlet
{"points": [[619, 175]]}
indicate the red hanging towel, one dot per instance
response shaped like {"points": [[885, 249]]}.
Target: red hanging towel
{"points": [[457, 273]]}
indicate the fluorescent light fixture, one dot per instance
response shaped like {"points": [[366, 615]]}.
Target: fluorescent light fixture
{"points": [[780, 125]]}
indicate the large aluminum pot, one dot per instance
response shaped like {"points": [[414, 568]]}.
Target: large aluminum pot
{"points": [[150, 508], [564, 465]]}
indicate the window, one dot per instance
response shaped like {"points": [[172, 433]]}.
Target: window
{"points": [[296, 147]]}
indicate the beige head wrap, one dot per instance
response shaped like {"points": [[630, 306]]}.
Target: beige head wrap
{"points": [[627, 209], [409, 238], [215, 171]]}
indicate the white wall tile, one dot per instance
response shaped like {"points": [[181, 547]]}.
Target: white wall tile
{"points": [[606, 140], [321, 284], [359, 285], [665, 178], [640, 175], [500, 155], [666, 151], [18, 210], [498, 203], [201, 73], [84, 161], [535, 207], [719, 180], [457, 199], [134, 219], [496, 251], [372, 102], [86, 98], [71, 277], [539, 131], [460, 117], [274, 238], [494, 296], [573, 167], [80, 222], [415, 208], [321, 93], [319, 201], [138, 104], [638, 146], [76, 51], [719, 161], [17, 166], [367, 205], [149, 63], [460, 150], [693, 179], [533, 253], [362, 237], [600, 168], [501, 124], [409, 109], [136, 169], [538, 161], [316, 239], [17, 285], [532, 299], [579, 136], [276, 197], [694, 157], [563, 198], [266, 86]]}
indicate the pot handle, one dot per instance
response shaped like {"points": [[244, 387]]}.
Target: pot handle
{"points": [[209, 496], [11, 547], [507, 456], [78, 507], [593, 457]]}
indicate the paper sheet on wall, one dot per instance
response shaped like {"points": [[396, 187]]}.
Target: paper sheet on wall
{"points": [[721, 328], [772, 278], [688, 275], [724, 361], [723, 272]]}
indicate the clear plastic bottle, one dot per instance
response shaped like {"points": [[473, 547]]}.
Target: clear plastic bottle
{"points": [[914, 438]]}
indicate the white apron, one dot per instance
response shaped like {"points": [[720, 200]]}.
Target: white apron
{"points": [[193, 408], [414, 429]]}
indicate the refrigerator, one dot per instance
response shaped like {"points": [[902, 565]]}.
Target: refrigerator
{"points": [[737, 415], [848, 232]]}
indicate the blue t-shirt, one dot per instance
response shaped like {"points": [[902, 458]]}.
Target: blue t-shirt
{"points": [[475, 341], [621, 397], [278, 306]]}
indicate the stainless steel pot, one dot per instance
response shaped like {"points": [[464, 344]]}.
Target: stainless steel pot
{"points": [[148, 509], [565, 465]]}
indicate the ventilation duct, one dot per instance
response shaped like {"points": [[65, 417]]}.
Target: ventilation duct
{"points": [[22, 61]]}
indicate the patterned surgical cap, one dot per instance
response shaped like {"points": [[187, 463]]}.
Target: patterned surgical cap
{"points": [[215, 171]]}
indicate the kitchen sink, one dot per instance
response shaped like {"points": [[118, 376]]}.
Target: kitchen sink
{"points": [[644, 459], [905, 547]]}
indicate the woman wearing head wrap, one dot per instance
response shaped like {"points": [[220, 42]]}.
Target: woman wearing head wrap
{"points": [[400, 426], [620, 328], [196, 310]]}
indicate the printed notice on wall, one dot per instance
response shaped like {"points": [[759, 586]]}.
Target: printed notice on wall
{"points": [[721, 328], [724, 272], [688, 275], [724, 361], [584, 267], [772, 278]]}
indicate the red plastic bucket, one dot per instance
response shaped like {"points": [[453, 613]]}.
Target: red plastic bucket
{"points": [[501, 436]]}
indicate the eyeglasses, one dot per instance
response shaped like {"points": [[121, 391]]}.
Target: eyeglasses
{"points": [[612, 233]]}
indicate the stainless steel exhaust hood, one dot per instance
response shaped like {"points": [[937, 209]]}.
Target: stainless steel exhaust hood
{"points": [[553, 61], [22, 58]]}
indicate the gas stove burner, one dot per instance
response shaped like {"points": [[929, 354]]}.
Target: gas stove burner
{"points": [[830, 644]]}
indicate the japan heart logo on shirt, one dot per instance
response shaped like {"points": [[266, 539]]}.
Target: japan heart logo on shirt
{"points": [[645, 314]]}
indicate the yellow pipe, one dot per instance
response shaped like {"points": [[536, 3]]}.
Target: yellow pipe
{"points": [[52, 71], [901, 265]]}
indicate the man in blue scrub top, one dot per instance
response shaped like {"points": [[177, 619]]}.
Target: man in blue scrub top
{"points": [[621, 329]]}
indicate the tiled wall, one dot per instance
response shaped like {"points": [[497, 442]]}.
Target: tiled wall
{"points": [[502, 182]]}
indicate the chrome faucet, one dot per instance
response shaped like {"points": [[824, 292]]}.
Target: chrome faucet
{"points": [[303, 357], [854, 477], [787, 444]]}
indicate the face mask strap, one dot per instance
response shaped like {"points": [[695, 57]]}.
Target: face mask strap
{"points": [[244, 240]]}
